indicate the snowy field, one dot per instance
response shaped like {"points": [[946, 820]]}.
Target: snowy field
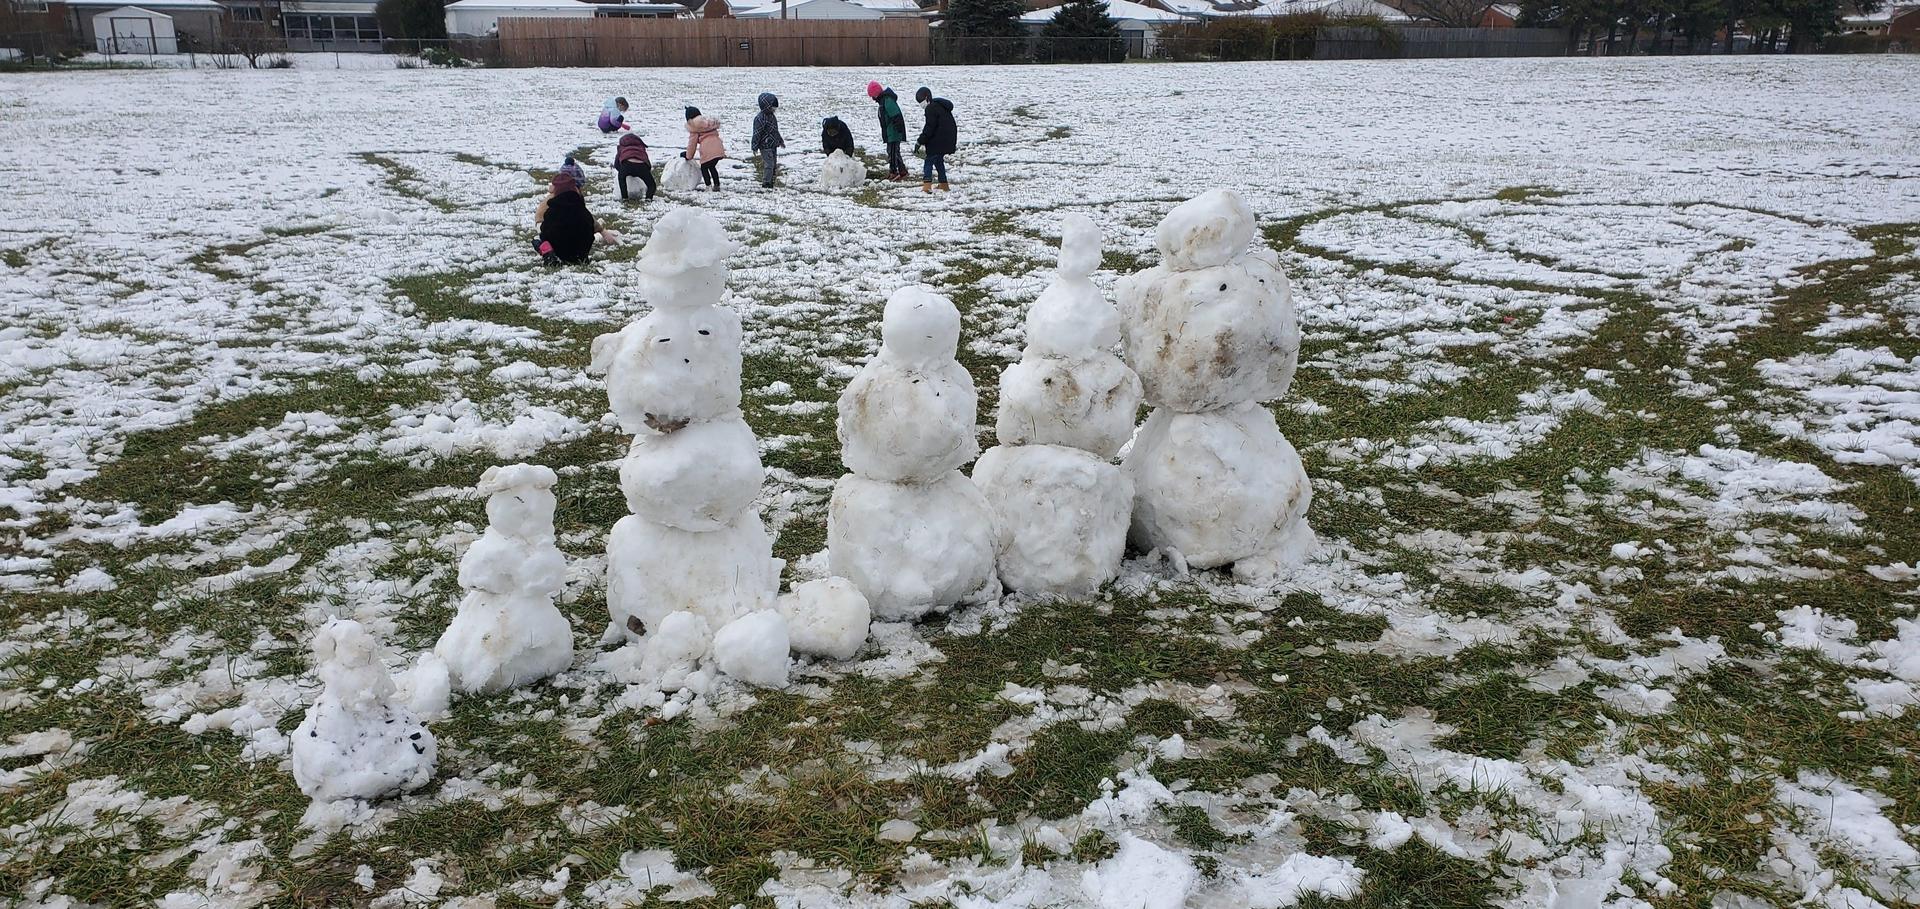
{"points": [[1610, 395]]}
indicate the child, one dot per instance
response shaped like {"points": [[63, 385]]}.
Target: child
{"points": [[893, 129], [567, 229], [613, 115], [939, 137], [631, 161], [835, 137], [766, 138], [705, 147], [574, 170]]}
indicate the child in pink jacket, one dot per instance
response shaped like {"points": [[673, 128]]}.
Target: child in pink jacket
{"points": [[704, 146]]}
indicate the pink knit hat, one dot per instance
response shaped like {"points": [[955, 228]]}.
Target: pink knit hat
{"points": [[873, 89]]}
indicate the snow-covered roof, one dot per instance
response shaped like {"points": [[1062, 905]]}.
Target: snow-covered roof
{"points": [[889, 6], [1331, 8], [521, 4], [129, 12], [1509, 10], [152, 5], [1118, 9]]}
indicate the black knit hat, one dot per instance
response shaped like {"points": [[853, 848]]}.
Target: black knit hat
{"points": [[692, 112], [923, 94]]}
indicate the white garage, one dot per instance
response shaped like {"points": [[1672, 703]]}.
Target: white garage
{"points": [[478, 18], [132, 30]]}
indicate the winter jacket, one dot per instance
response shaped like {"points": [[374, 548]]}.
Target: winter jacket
{"points": [[703, 140], [611, 117], [569, 227], [941, 135], [632, 149], [893, 124], [766, 124], [834, 136]]}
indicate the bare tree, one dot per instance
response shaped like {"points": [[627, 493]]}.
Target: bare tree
{"points": [[1446, 13]]}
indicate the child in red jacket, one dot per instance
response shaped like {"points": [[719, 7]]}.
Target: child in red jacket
{"points": [[631, 161]]}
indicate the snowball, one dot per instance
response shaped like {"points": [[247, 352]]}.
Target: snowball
{"points": [[507, 631], [919, 328], [842, 172], [654, 570], [697, 478], [672, 367], [1071, 318], [684, 261], [1211, 229], [1217, 487], [1089, 403], [908, 423], [1061, 517], [672, 649], [358, 740], [1210, 338], [753, 648], [1079, 246], [911, 548], [828, 618], [427, 687]]}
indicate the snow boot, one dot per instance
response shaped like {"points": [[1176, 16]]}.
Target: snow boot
{"points": [[945, 188], [926, 187]]}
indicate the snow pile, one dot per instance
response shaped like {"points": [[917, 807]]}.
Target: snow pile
{"points": [[842, 172], [694, 557], [1212, 333], [906, 527], [358, 740], [1060, 506], [508, 633]]}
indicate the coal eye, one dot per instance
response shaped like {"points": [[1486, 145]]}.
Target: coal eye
{"points": [[1223, 287], [705, 332]]}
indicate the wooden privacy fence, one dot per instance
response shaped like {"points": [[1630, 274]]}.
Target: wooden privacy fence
{"points": [[713, 42]]}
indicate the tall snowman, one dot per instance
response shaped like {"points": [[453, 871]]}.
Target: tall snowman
{"points": [[906, 527], [694, 557], [1212, 333], [1061, 507]]}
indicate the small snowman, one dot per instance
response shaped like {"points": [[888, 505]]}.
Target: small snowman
{"points": [[508, 633], [694, 556], [1060, 505], [358, 740], [906, 528], [1213, 335]]}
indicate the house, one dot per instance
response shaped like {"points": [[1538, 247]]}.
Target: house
{"points": [[623, 10], [479, 18], [807, 9], [1222, 9], [1903, 24], [167, 26], [1500, 15], [833, 9], [330, 25], [1140, 25]]}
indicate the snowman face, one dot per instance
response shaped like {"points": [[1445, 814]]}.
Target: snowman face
{"points": [[523, 511], [1079, 246]]}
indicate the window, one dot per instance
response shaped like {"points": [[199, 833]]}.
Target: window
{"points": [[247, 14], [331, 29], [30, 6]]}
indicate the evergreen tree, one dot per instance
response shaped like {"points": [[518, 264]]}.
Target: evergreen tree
{"points": [[985, 18], [1082, 19], [411, 18]]}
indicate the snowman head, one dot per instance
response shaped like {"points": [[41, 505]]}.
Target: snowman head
{"points": [[920, 328], [1079, 246], [519, 499], [1211, 229], [347, 659], [684, 261]]}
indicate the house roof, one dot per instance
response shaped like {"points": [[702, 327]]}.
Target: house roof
{"points": [[1509, 10], [1331, 8], [520, 4], [772, 7], [1118, 9], [152, 6]]}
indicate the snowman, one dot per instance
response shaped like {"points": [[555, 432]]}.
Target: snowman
{"points": [[359, 740], [1212, 333], [905, 527], [508, 633], [1061, 507], [694, 556], [842, 172]]}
